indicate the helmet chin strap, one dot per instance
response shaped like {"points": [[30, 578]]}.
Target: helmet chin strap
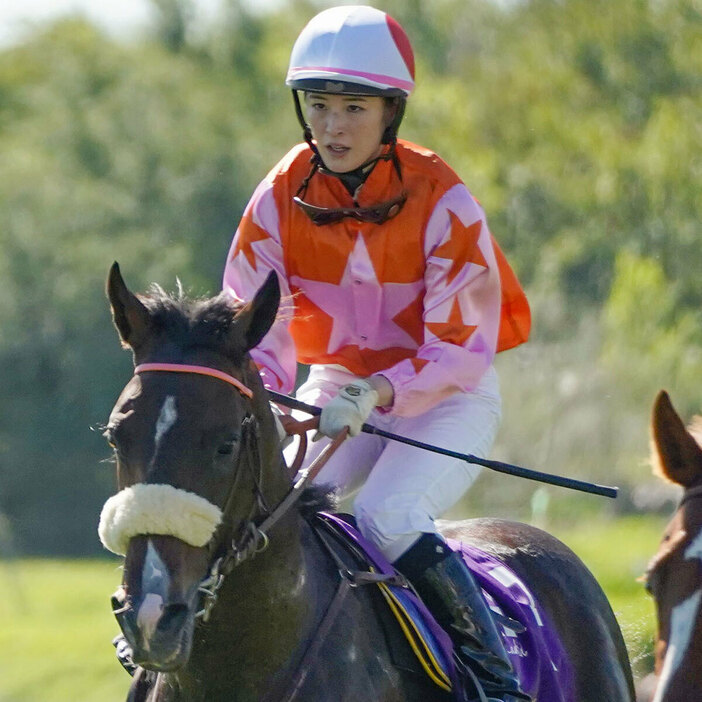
{"points": [[306, 131], [390, 133], [352, 180]]}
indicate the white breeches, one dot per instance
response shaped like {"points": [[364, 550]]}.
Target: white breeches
{"points": [[401, 489]]}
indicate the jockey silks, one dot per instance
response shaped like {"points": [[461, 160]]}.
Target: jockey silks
{"points": [[427, 298]]}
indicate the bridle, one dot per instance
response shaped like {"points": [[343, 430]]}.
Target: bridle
{"points": [[254, 535], [689, 495], [199, 370]]}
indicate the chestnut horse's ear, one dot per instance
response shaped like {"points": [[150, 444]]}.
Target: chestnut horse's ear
{"points": [[255, 318], [677, 455], [128, 313]]}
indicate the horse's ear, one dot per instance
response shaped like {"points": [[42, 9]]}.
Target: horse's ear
{"points": [[128, 313], [677, 456], [255, 318]]}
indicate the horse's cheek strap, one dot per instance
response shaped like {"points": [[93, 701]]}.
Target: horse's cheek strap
{"points": [[156, 509]]}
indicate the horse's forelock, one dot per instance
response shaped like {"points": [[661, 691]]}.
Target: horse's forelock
{"points": [[206, 322], [191, 321]]}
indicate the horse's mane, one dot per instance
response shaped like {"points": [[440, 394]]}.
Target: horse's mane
{"points": [[317, 498]]}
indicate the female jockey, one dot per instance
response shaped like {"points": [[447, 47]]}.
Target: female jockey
{"points": [[401, 301]]}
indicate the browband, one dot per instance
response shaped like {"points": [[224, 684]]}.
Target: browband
{"points": [[199, 370]]}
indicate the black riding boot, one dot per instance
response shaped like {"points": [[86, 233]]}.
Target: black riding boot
{"points": [[444, 582]]}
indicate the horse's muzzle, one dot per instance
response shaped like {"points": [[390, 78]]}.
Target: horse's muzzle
{"points": [[159, 634]]}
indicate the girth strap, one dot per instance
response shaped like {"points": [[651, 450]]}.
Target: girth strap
{"points": [[312, 653], [348, 580]]}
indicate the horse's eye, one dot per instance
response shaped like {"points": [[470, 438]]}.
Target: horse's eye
{"points": [[227, 448]]}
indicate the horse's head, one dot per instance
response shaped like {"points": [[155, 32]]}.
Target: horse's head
{"points": [[188, 463], [674, 576]]}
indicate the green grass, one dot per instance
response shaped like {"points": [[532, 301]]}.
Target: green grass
{"points": [[55, 632], [56, 625], [617, 552]]}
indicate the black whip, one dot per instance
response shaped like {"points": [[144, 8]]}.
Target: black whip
{"points": [[499, 466]]}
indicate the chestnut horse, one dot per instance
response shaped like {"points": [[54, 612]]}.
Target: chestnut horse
{"points": [[201, 480], [674, 576]]}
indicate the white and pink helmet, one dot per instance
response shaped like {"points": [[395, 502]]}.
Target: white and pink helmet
{"points": [[356, 50], [353, 49]]}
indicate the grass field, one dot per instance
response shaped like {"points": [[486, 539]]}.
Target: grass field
{"points": [[56, 631], [56, 625], [617, 552]]}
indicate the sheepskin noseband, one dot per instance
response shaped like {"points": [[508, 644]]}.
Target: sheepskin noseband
{"points": [[156, 509]]}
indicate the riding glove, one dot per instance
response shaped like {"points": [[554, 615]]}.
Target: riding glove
{"points": [[350, 408]]}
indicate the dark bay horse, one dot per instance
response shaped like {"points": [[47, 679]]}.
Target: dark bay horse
{"points": [[200, 476], [674, 576]]}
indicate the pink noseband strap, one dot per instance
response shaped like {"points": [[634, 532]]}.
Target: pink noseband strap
{"points": [[199, 370]]}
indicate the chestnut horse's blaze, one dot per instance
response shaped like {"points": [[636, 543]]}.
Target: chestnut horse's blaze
{"points": [[200, 475], [674, 576]]}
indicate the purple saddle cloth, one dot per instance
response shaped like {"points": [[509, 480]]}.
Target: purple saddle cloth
{"points": [[537, 653]]}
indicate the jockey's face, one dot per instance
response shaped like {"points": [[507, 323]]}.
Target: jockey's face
{"points": [[348, 129]]}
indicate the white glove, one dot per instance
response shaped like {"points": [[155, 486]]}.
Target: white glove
{"points": [[350, 408]]}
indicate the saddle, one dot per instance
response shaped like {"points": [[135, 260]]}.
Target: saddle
{"points": [[533, 645]]}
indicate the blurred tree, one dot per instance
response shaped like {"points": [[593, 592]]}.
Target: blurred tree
{"points": [[174, 18], [652, 339], [135, 154], [575, 123]]}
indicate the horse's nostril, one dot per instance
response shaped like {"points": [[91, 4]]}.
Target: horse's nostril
{"points": [[119, 602], [173, 617]]}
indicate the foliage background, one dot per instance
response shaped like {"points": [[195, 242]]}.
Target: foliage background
{"points": [[577, 123]]}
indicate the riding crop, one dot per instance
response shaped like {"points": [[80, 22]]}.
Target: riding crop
{"points": [[499, 466]]}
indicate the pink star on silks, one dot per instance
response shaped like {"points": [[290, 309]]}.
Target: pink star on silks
{"points": [[361, 308]]}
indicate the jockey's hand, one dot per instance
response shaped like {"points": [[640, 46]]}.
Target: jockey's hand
{"points": [[350, 408]]}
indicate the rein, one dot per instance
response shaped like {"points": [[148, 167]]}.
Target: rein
{"points": [[255, 537], [691, 494]]}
